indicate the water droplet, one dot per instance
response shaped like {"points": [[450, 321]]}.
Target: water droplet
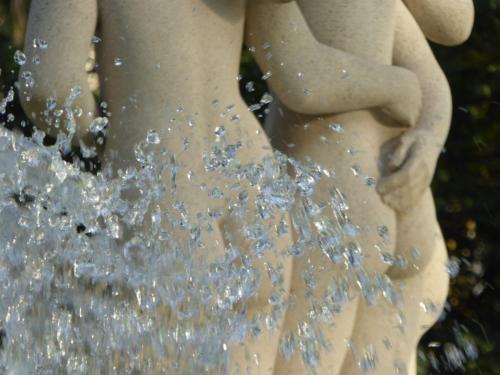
{"points": [[78, 112], [50, 103], [19, 58], [266, 76], [99, 125], [288, 345], [74, 93], [352, 151], [220, 131], [235, 119], [250, 86], [453, 267], [266, 99], [383, 232], [337, 128], [216, 193], [254, 107], [27, 76], [152, 137], [454, 356], [356, 170], [370, 181], [40, 43], [191, 122]]}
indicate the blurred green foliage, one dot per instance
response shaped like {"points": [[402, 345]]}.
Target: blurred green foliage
{"points": [[466, 186], [467, 189]]}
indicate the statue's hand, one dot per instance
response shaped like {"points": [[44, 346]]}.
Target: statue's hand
{"points": [[406, 97], [408, 167]]}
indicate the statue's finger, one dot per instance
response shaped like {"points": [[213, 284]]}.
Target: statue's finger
{"points": [[395, 180], [399, 155], [407, 196]]}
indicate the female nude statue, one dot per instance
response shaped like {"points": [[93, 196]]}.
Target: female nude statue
{"points": [[368, 68], [170, 67]]}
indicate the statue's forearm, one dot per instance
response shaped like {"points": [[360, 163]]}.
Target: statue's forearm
{"points": [[447, 22], [436, 104], [308, 76], [61, 49], [412, 51]]}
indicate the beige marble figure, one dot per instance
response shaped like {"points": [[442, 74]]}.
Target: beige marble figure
{"points": [[171, 67], [361, 93]]}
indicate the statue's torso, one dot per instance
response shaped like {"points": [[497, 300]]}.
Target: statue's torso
{"points": [[178, 59], [364, 28], [348, 143]]}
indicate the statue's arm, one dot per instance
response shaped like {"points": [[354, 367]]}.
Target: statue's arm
{"points": [[312, 78], [67, 26], [412, 52], [411, 158], [447, 22]]}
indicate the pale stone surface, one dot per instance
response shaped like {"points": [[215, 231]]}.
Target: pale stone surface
{"points": [[367, 67], [170, 66], [444, 22]]}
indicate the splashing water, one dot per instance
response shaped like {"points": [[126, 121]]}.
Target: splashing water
{"points": [[93, 282], [79, 296], [87, 287]]}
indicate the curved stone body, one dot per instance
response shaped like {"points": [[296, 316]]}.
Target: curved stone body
{"points": [[363, 97], [170, 68], [345, 104]]}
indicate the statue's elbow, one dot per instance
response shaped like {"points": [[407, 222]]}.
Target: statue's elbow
{"points": [[298, 104], [459, 32], [297, 99], [454, 38]]}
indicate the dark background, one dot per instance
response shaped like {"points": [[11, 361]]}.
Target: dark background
{"points": [[466, 187]]}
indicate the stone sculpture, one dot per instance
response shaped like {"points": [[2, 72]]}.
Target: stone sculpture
{"points": [[168, 71], [361, 93], [373, 111]]}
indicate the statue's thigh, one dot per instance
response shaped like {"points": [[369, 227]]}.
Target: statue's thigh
{"points": [[434, 288], [417, 234], [376, 232], [375, 222], [433, 282], [394, 331], [336, 333]]}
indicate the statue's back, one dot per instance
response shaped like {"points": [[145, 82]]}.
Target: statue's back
{"points": [[164, 59]]}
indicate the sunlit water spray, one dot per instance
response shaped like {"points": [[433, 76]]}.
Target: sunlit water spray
{"points": [[91, 282]]}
